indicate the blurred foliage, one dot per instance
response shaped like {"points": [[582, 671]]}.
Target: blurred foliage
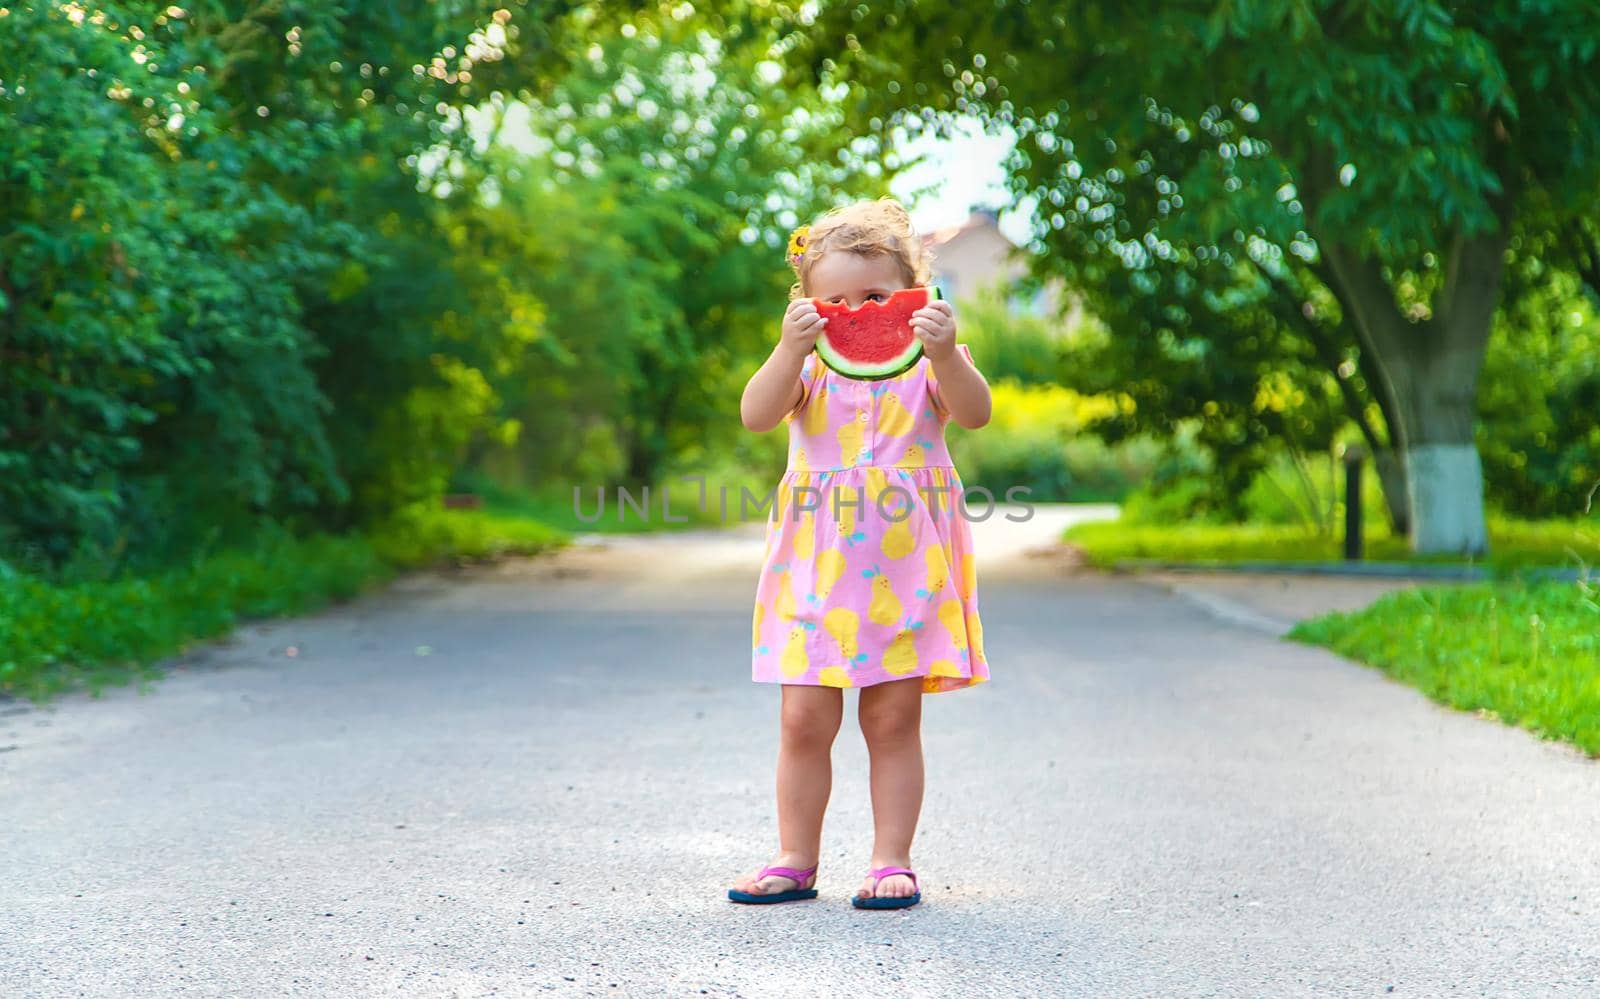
{"points": [[211, 246], [94, 633], [653, 190], [304, 267], [131, 308], [1009, 343], [1035, 439], [1324, 195], [1519, 545], [1539, 401], [1108, 543], [1037, 435], [1292, 489], [277, 264]]}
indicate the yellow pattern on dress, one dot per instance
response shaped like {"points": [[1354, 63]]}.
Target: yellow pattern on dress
{"points": [[954, 620], [975, 631], [876, 484], [785, 607], [884, 597], [805, 537], [794, 660], [835, 676], [938, 569], [830, 566], [894, 419], [898, 541], [844, 506], [815, 420], [850, 436], [885, 607], [901, 657], [843, 624]]}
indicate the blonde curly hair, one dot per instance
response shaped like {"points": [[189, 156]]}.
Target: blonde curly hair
{"points": [[870, 228]]}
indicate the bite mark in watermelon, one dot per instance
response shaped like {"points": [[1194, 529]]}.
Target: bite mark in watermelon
{"points": [[874, 341]]}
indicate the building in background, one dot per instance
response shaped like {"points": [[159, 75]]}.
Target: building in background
{"points": [[975, 255]]}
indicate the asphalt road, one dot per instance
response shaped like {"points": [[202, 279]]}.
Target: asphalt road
{"points": [[540, 777]]}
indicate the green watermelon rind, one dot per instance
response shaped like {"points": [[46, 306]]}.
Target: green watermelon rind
{"points": [[877, 372]]}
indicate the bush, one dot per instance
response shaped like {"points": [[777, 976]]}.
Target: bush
{"points": [[1179, 488], [1537, 399], [1035, 439], [61, 635], [190, 289], [149, 284], [1011, 346]]}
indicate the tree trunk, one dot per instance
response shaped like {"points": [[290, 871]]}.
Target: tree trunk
{"points": [[1388, 457], [1329, 343], [1391, 466], [1431, 368], [1438, 387]]}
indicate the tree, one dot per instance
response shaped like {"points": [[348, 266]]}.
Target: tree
{"points": [[1401, 145], [1538, 431], [669, 167], [211, 240], [1245, 343]]}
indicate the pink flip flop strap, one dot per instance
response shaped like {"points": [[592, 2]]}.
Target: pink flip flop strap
{"points": [[792, 873], [879, 873]]}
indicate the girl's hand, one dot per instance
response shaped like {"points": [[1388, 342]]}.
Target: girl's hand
{"points": [[802, 324], [935, 325]]}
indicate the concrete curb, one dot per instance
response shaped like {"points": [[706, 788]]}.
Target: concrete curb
{"points": [[1356, 570], [1232, 611]]}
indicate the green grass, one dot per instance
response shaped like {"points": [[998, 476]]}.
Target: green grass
{"points": [[1524, 652], [557, 508], [56, 637], [1528, 655], [420, 537], [1513, 544]]}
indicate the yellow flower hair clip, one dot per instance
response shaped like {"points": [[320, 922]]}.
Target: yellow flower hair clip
{"points": [[797, 245]]}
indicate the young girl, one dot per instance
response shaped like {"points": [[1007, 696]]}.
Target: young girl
{"points": [[869, 579]]}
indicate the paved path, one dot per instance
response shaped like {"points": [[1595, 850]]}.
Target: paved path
{"points": [[1274, 602], [539, 777]]}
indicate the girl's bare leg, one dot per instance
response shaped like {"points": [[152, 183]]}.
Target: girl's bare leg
{"points": [[810, 718], [891, 720]]}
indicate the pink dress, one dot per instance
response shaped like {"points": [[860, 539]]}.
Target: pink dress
{"points": [[869, 573]]}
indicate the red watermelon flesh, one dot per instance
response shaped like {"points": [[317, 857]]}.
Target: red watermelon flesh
{"points": [[876, 340]]}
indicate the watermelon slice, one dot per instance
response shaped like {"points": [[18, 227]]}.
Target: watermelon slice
{"points": [[876, 340]]}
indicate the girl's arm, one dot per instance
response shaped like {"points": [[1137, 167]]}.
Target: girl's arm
{"points": [[962, 388], [772, 391], [775, 389]]}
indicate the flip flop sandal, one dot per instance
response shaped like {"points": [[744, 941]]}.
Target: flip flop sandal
{"points": [[795, 894], [888, 902]]}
